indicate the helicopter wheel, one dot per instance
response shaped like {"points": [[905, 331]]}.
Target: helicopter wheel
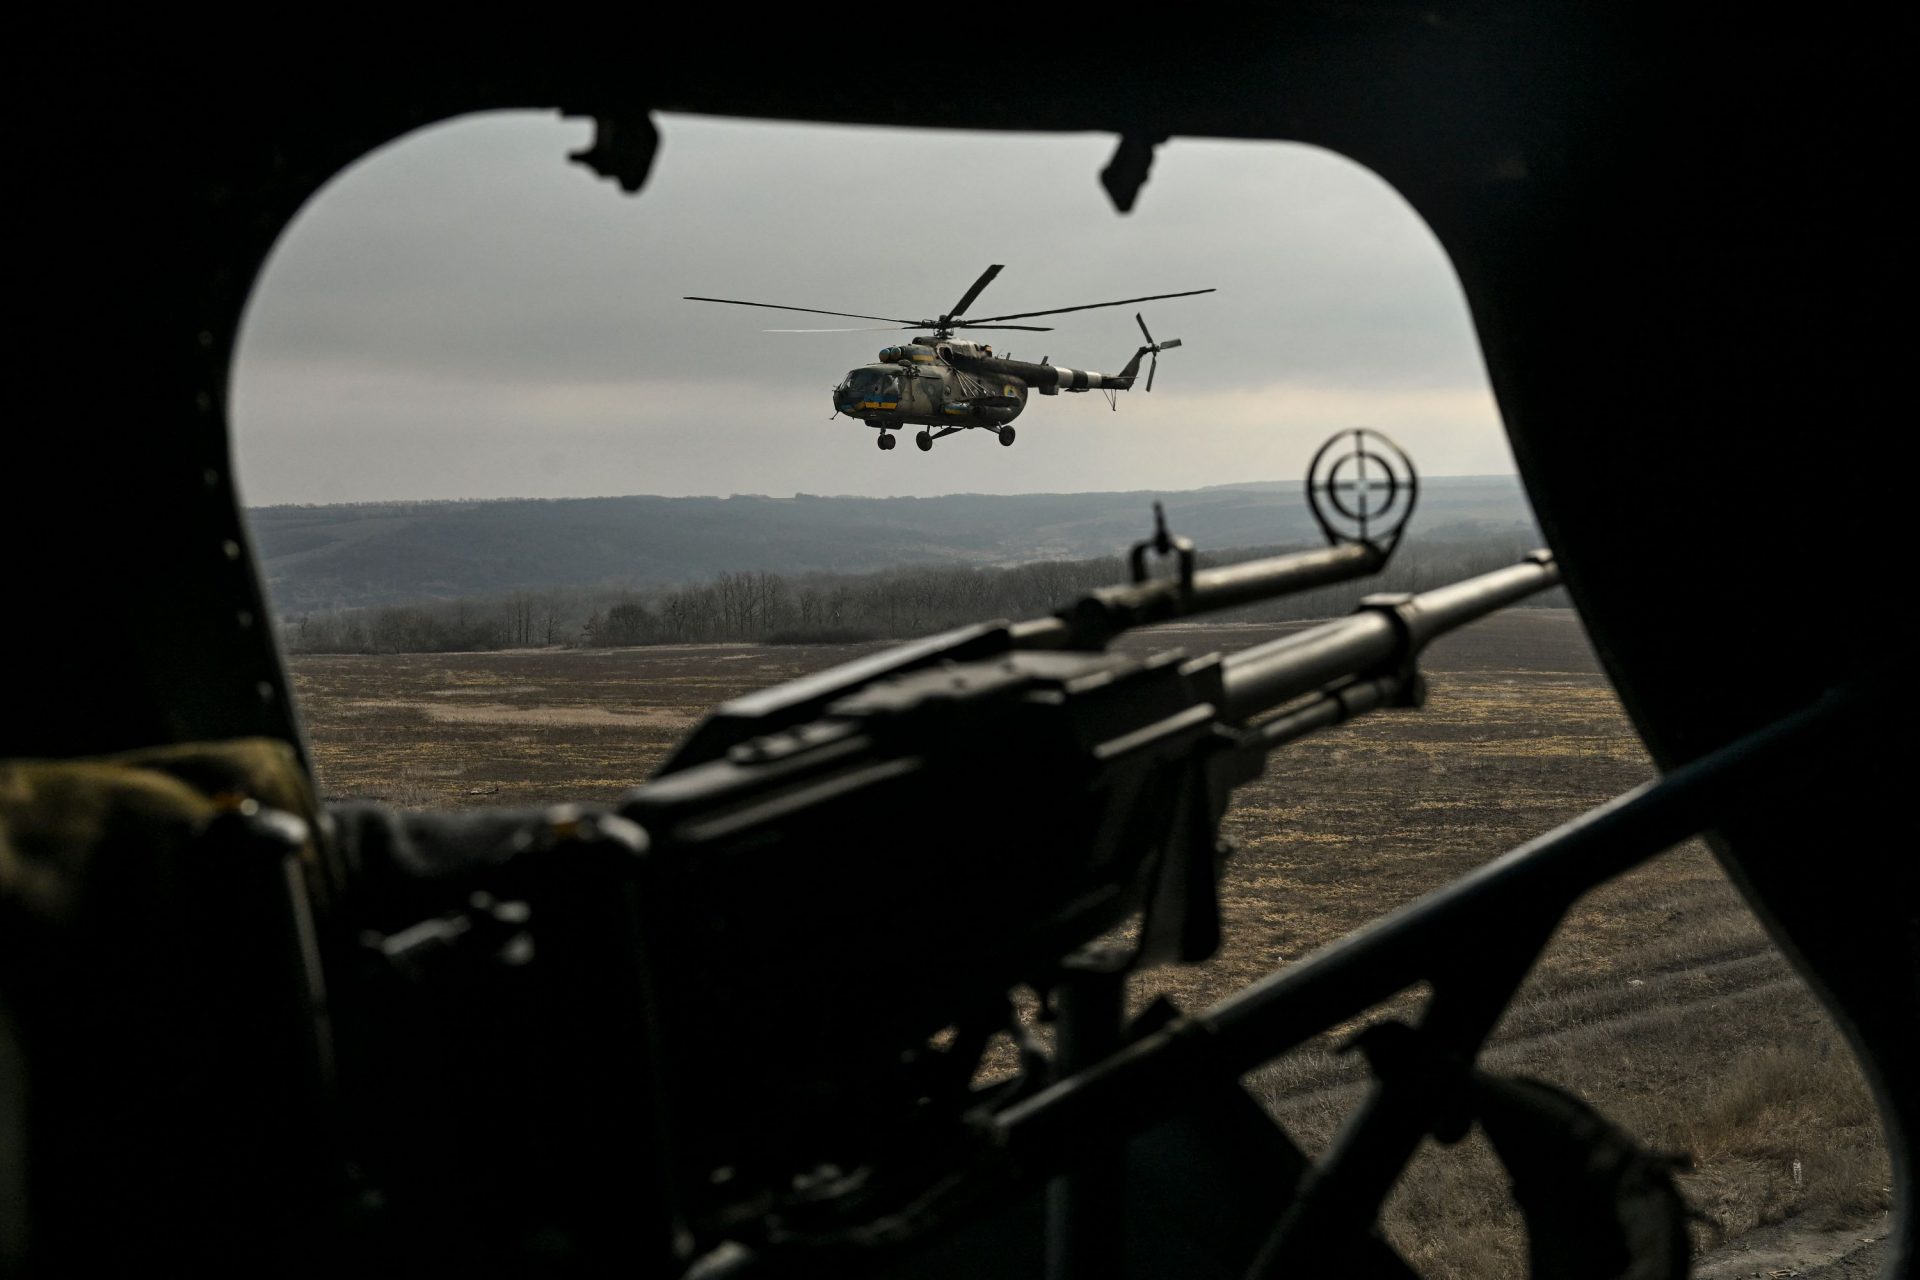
{"points": [[924, 440], [1006, 435], [886, 441]]}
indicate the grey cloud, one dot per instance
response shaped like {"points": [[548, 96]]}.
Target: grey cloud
{"points": [[475, 256]]}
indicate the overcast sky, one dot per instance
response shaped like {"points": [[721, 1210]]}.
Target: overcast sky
{"points": [[466, 314]]}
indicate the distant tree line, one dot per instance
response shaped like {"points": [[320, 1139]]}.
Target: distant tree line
{"points": [[832, 607]]}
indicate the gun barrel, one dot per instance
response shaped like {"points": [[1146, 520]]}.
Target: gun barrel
{"points": [[1387, 632], [1097, 618], [1257, 580]]}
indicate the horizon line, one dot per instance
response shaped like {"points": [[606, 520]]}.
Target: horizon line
{"points": [[853, 497]]}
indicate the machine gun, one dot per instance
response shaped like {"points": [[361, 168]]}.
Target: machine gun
{"points": [[763, 989], [738, 1026]]}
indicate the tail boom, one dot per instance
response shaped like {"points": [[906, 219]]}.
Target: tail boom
{"points": [[1049, 379]]}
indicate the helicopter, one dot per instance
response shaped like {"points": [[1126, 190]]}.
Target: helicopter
{"points": [[946, 385]]}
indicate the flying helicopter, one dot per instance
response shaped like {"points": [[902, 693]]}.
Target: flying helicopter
{"points": [[945, 385]]}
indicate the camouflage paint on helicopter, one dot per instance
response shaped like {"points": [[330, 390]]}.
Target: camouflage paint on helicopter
{"points": [[944, 385], [952, 385]]}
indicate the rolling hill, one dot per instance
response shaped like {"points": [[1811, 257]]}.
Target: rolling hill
{"points": [[388, 553]]}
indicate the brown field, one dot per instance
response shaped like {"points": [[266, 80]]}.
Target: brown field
{"points": [[1660, 1001]]}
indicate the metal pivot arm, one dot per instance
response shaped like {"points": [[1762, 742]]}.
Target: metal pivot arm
{"points": [[1084, 1203]]}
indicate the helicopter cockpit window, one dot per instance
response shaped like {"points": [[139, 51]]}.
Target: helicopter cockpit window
{"points": [[874, 384]]}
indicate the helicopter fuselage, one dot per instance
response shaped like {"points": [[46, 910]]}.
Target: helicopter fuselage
{"points": [[948, 383], [944, 384]]}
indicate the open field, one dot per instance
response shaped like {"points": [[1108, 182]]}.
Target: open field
{"points": [[1660, 1000]]}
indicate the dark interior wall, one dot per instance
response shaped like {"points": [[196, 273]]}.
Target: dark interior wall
{"points": [[1679, 247]]}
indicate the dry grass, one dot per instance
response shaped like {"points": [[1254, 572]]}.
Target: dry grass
{"points": [[1788, 1129], [1660, 1000]]}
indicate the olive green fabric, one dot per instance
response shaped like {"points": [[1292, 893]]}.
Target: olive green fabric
{"points": [[62, 822], [90, 856]]}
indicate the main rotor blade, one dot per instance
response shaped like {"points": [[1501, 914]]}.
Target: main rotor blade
{"points": [[966, 299], [896, 328], [774, 306], [1022, 315]]}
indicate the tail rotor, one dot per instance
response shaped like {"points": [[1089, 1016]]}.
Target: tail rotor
{"points": [[1152, 348]]}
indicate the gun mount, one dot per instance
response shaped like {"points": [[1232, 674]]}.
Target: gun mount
{"points": [[717, 938]]}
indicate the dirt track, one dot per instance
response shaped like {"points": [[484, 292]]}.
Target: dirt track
{"points": [[1794, 1249]]}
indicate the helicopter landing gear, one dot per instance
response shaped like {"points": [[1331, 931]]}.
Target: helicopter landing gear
{"points": [[886, 441], [1006, 435], [924, 440]]}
